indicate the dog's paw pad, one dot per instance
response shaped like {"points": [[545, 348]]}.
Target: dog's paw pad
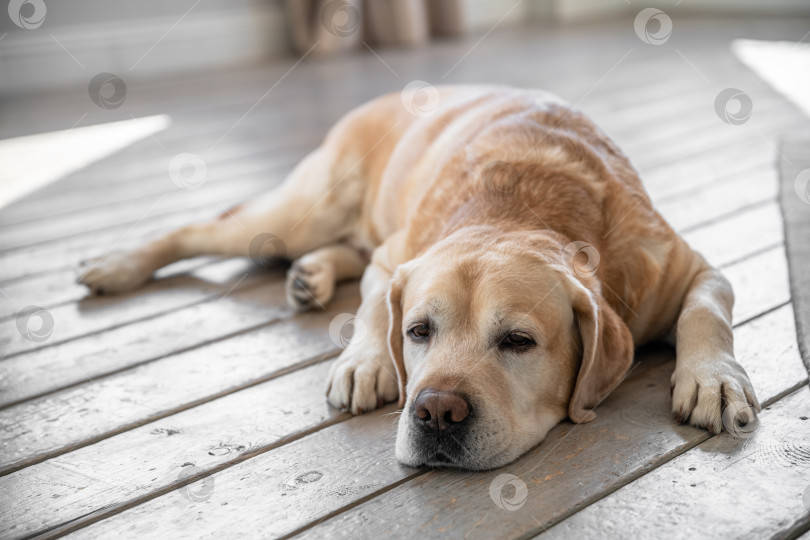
{"points": [[716, 396], [113, 273], [309, 286], [361, 381]]}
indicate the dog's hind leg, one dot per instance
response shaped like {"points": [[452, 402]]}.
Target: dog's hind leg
{"points": [[307, 212]]}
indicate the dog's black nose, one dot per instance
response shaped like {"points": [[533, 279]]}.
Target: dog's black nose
{"points": [[440, 409]]}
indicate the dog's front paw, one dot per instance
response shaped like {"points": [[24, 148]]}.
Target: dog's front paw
{"points": [[310, 284], [361, 381], [115, 272], [714, 394]]}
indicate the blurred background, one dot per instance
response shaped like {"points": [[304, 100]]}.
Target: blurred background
{"points": [[172, 38]]}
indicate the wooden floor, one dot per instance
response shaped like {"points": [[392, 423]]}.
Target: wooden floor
{"points": [[195, 408]]}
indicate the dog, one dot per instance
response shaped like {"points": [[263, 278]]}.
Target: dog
{"points": [[511, 262]]}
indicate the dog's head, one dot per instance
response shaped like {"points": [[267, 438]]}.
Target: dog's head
{"points": [[495, 340]]}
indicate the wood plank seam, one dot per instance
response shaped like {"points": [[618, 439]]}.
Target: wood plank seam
{"points": [[750, 255], [188, 272], [246, 330], [764, 313], [353, 504], [213, 208], [590, 500], [217, 296], [655, 465], [169, 412], [105, 513], [723, 217], [660, 161]]}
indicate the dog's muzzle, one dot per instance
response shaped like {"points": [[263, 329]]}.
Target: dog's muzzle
{"points": [[440, 420]]}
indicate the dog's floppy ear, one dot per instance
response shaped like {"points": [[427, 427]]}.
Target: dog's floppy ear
{"points": [[607, 351], [394, 301]]}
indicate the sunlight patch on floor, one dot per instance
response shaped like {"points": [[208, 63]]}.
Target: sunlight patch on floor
{"points": [[785, 65], [30, 162]]}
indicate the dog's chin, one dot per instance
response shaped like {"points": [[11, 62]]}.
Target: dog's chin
{"points": [[452, 452], [440, 459], [412, 455]]}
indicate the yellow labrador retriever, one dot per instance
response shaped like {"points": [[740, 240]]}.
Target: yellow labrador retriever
{"points": [[516, 263]]}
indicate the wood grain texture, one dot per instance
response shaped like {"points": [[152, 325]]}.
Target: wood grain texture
{"points": [[96, 219], [692, 174], [31, 374], [574, 465], [300, 482], [163, 453], [125, 386], [50, 289], [96, 314], [747, 278], [152, 180], [67, 253], [704, 492], [40, 428], [754, 229], [721, 199]]}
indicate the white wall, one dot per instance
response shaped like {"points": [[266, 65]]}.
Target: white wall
{"points": [[145, 38]]}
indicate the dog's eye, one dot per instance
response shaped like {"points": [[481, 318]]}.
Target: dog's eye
{"points": [[516, 341], [419, 332]]}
